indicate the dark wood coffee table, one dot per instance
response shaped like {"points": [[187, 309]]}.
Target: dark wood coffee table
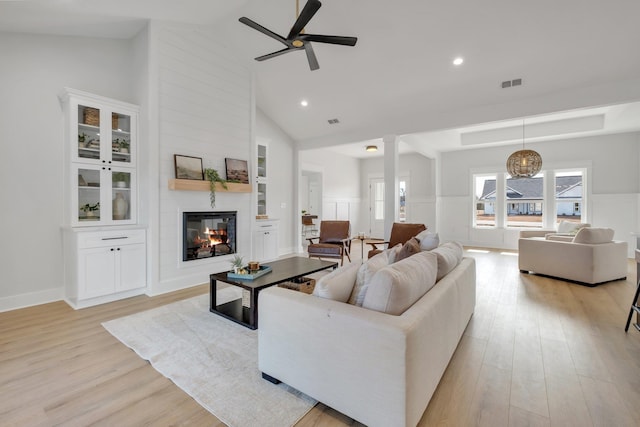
{"points": [[281, 271]]}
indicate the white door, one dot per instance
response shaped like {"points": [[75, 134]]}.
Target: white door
{"points": [[376, 207], [132, 267]]}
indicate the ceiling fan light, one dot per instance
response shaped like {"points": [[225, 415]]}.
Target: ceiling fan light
{"points": [[372, 148]]}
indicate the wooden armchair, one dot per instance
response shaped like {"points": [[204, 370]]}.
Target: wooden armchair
{"points": [[401, 232], [333, 242]]}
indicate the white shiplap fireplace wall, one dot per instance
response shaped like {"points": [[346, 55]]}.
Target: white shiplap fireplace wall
{"points": [[204, 109]]}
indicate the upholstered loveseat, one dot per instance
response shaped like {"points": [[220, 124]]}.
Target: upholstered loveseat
{"points": [[378, 368], [590, 257]]}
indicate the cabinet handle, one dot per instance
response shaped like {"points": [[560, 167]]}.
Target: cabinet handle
{"points": [[118, 249], [111, 249], [115, 238]]}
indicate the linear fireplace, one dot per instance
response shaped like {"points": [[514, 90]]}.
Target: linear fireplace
{"points": [[208, 234]]}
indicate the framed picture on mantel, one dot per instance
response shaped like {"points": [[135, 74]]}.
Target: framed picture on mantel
{"points": [[188, 167], [237, 170]]}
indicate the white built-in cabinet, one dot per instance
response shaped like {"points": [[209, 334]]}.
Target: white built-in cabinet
{"points": [[105, 253], [265, 240]]}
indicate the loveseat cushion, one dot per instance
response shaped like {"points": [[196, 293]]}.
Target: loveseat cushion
{"points": [[449, 255], [365, 272], [396, 287], [594, 235], [338, 284]]}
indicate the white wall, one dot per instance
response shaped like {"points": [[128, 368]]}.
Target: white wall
{"points": [[340, 184], [421, 202], [33, 70], [280, 175], [204, 103], [613, 185]]}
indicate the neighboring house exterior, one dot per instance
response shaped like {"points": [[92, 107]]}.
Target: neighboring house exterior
{"points": [[525, 196]]}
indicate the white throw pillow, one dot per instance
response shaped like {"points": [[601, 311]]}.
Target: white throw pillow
{"points": [[338, 284], [449, 256], [398, 286], [570, 227], [428, 240], [364, 275], [392, 253], [594, 235]]}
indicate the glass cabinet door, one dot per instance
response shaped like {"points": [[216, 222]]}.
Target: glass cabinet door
{"points": [[262, 199], [88, 132], [121, 184], [87, 200], [262, 161], [120, 138]]}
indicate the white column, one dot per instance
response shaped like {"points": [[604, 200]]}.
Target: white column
{"points": [[390, 182]]}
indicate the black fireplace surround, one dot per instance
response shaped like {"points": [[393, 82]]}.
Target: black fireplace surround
{"points": [[208, 234]]}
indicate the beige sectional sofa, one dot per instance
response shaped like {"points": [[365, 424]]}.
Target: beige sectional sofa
{"points": [[590, 257], [378, 368]]}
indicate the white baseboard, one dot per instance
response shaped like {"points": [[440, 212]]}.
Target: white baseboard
{"points": [[15, 302]]}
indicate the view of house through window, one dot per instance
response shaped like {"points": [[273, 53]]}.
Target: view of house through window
{"points": [[524, 199], [484, 187], [402, 193], [569, 196]]}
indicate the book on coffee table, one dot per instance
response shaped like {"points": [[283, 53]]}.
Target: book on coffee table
{"points": [[253, 274]]}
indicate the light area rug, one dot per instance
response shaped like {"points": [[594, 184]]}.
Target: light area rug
{"points": [[212, 359]]}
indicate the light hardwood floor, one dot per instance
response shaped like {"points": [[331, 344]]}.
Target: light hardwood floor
{"points": [[537, 351]]}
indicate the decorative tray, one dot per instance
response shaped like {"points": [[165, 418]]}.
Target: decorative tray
{"points": [[253, 274]]}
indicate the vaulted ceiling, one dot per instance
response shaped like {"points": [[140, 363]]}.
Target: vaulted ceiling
{"points": [[399, 79]]}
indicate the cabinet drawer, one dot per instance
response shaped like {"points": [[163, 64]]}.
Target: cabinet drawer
{"points": [[110, 238]]}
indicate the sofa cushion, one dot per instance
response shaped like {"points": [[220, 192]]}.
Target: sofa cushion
{"points": [[338, 284], [428, 240], [411, 247], [567, 237], [396, 287], [364, 275], [392, 253], [594, 235], [571, 227], [449, 255]]}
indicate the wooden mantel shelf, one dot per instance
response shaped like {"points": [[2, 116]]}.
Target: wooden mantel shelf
{"points": [[195, 185]]}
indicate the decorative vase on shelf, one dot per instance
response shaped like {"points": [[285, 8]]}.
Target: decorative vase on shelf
{"points": [[120, 206]]}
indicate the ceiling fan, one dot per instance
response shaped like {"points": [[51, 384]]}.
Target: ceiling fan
{"points": [[297, 39]]}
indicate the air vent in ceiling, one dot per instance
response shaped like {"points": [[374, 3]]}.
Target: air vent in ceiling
{"points": [[333, 121], [510, 83]]}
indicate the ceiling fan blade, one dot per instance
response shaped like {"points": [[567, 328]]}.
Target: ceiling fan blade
{"points": [[274, 54], [307, 13], [311, 57], [342, 40], [262, 29]]}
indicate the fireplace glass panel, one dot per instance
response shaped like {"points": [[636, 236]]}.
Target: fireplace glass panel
{"points": [[208, 234]]}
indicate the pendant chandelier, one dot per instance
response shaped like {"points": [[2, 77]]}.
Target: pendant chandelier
{"points": [[524, 163]]}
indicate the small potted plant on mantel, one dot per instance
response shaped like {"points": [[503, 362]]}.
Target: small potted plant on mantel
{"points": [[213, 176]]}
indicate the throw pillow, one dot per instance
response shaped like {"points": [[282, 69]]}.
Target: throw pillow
{"points": [[428, 240], [570, 227], [398, 286], [411, 247], [364, 275], [449, 256], [594, 235], [338, 284], [392, 253]]}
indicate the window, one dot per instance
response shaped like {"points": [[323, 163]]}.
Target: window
{"points": [[484, 188], [402, 193], [525, 201], [569, 196], [378, 200]]}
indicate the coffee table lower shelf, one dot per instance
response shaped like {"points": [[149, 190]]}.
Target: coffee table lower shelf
{"points": [[234, 311]]}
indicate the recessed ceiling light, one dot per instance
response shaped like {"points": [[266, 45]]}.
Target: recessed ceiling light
{"points": [[304, 103], [458, 61], [372, 148]]}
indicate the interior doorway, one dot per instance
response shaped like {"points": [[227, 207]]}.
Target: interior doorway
{"points": [[311, 199]]}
